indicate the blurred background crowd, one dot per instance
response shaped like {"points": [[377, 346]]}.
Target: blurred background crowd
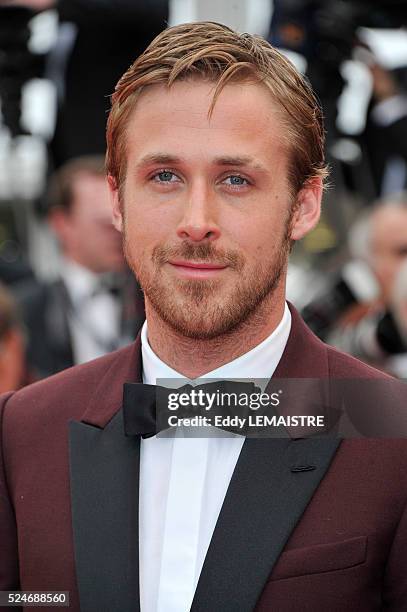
{"points": [[66, 295]]}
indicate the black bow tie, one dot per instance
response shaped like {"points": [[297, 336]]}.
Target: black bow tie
{"points": [[140, 402]]}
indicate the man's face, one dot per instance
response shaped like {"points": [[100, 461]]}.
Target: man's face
{"points": [[86, 231], [389, 246], [205, 206]]}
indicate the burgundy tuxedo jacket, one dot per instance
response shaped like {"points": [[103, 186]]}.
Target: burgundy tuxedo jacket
{"points": [[307, 524]]}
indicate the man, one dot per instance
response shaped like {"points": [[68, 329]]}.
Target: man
{"points": [[93, 307], [387, 241], [215, 163], [370, 329]]}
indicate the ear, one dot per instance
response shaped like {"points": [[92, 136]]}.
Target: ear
{"points": [[116, 204], [58, 220], [308, 209]]}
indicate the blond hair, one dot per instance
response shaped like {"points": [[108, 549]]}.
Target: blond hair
{"points": [[214, 52]]}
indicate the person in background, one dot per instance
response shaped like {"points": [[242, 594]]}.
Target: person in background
{"points": [[12, 345], [387, 241], [94, 306], [369, 330]]}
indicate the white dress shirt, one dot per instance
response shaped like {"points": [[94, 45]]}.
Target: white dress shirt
{"points": [[94, 323], [183, 482]]}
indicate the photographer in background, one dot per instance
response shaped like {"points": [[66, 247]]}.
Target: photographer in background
{"points": [[376, 331]]}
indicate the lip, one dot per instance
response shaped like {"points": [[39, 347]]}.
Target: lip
{"points": [[199, 265], [196, 269]]}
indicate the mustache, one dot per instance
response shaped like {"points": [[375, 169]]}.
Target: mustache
{"points": [[205, 252]]}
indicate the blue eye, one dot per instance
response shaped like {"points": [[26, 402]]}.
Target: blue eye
{"points": [[236, 181], [165, 176]]}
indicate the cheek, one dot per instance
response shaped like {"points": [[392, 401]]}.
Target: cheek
{"points": [[391, 269], [87, 230], [138, 239], [264, 239], [145, 227]]}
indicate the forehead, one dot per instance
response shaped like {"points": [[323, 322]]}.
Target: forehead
{"points": [[89, 193], [390, 226], [85, 180], [244, 121]]}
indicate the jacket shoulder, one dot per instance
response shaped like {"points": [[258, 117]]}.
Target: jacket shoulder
{"points": [[66, 393], [343, 365]]}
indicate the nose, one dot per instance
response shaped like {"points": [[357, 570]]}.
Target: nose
{"points": [[199, 216]]}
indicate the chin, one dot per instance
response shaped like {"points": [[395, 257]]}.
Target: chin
{"points": [[204, 323]]}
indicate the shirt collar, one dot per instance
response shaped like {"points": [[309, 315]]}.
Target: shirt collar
{"points": [[79, 281], [259, 363]]}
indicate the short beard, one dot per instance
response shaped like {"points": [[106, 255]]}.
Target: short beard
{"points": [[193, 308]]}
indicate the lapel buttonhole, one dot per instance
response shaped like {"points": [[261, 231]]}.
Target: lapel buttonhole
{"points": [[302, 468]]}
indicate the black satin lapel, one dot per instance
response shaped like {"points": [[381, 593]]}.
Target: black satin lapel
{"points": [[272, 484], [104, 466]]}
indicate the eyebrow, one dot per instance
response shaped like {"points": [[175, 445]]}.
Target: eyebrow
{"points": [[159, 158], [244, 160], [167, 159]]}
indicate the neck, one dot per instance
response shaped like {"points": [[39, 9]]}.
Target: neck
{"points": [[193, 358]]}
